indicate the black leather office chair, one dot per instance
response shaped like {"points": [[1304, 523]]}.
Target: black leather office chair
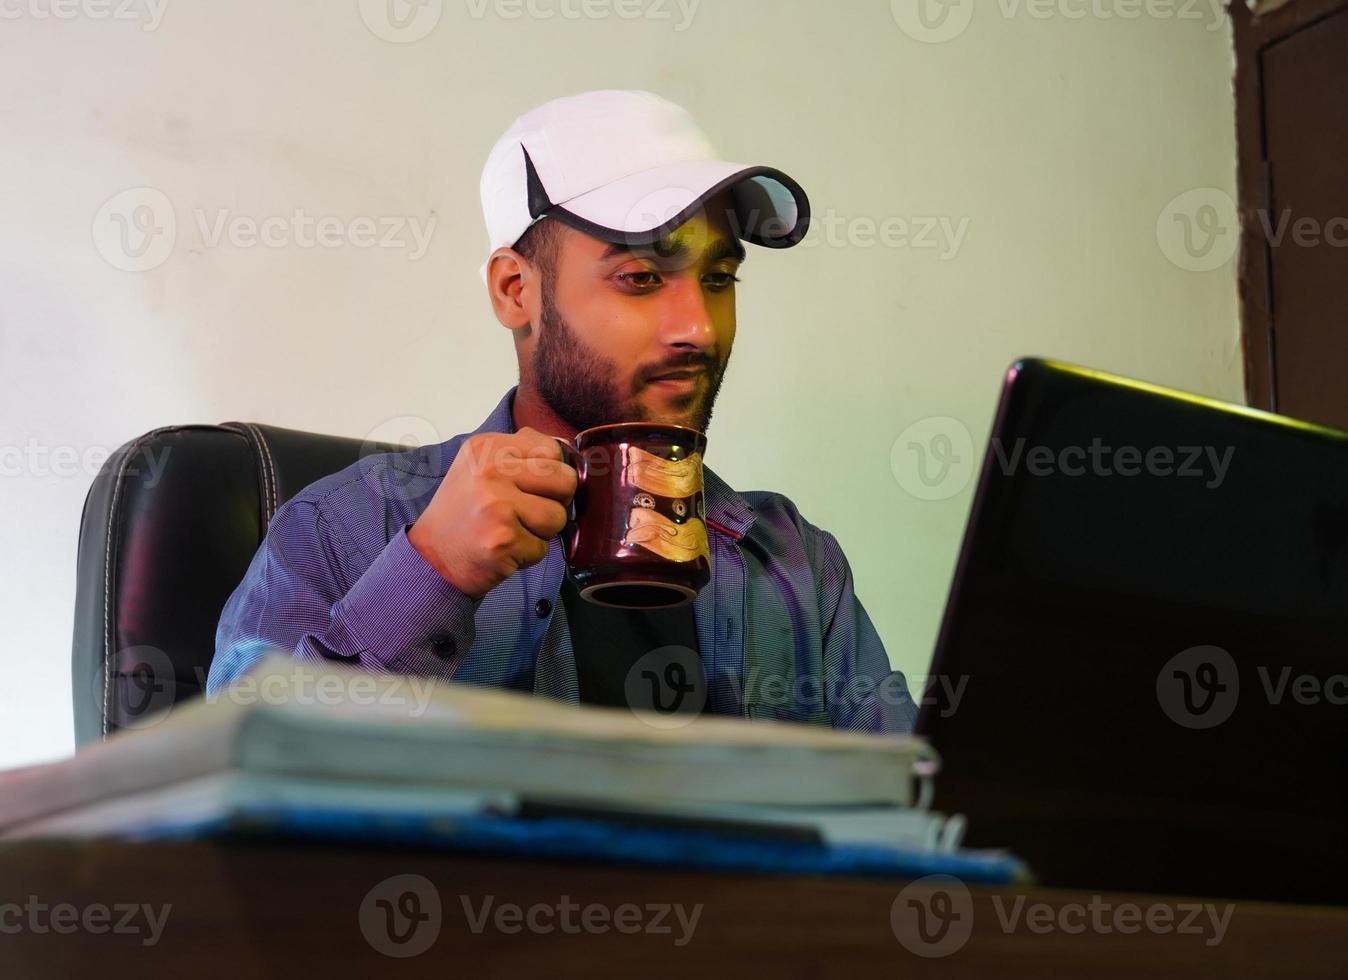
{"points": [[169, 527]]}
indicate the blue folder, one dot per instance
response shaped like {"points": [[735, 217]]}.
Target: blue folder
{"points": [[598, 840]]}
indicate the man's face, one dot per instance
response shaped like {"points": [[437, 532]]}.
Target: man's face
{"points": [[641, 334]]}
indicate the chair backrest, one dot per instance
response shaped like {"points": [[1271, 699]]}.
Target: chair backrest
{"points": [[169, 527]]}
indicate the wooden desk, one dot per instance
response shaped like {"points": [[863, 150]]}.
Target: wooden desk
{"points": [[280, 910]]}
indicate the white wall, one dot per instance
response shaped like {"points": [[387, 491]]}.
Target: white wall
{"points": [[1059, 140]]}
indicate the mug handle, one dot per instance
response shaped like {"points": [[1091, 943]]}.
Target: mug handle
{"points": [[574, 458]]}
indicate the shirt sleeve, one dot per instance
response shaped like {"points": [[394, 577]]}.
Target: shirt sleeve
{"points": [[872, 697], [307, 593]]}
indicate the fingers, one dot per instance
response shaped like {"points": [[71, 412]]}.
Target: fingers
{"points": [[531, 460], [547, 478], [529, 548], [532, 444], [542, 517]]}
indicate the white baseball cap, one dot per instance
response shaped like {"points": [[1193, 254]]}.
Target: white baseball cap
{"points": [[626, 167]]}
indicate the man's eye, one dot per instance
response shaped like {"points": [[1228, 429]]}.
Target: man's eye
{"points": [[640, 280], [721, 280]]}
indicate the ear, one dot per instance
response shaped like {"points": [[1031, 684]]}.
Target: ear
{"points": [[512, 285]]}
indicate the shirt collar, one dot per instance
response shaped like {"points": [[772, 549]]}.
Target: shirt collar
{"points": [[727, 511]]}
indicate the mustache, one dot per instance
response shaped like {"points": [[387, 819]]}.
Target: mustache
{"points": [[684, 362]]}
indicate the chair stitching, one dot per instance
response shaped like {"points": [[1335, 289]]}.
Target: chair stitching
{"points": [[269, 474], [107, 585]]}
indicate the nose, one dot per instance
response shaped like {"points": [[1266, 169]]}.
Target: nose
{"points": [[687, 323]]}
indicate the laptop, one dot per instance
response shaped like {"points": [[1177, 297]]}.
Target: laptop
{"points": [[1144, 655]]}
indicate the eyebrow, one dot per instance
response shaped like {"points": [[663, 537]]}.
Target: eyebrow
{"points": [[668, 248]]}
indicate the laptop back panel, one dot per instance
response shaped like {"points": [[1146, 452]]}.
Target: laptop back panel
{"points": [[1144, 658]]}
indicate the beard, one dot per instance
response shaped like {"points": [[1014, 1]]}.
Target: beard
{"points": [[585, 389]]}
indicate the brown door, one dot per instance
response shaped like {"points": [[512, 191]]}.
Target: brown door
{"points": [[1295, 208]]}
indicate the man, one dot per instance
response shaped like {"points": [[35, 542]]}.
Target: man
{"points": [[615, 237]]}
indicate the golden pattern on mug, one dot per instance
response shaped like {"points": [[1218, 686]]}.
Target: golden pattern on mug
{"points": [[663, 477], [656, 532]]}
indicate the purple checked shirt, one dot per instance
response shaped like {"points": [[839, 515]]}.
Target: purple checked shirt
{"points": [[780, 630]]}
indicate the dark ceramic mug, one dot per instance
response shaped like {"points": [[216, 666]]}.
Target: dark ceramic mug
{"points": [[636, 536]]}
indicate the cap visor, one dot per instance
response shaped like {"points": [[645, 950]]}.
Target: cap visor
{"points": [[770, 208]]}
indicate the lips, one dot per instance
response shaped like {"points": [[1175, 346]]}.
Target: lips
{"points": [[686, 375]]}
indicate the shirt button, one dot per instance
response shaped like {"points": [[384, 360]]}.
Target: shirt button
{"points": [[542, 607], [443, 647]]}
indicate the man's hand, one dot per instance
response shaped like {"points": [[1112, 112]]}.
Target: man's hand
{"points": [[502, 500]]}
